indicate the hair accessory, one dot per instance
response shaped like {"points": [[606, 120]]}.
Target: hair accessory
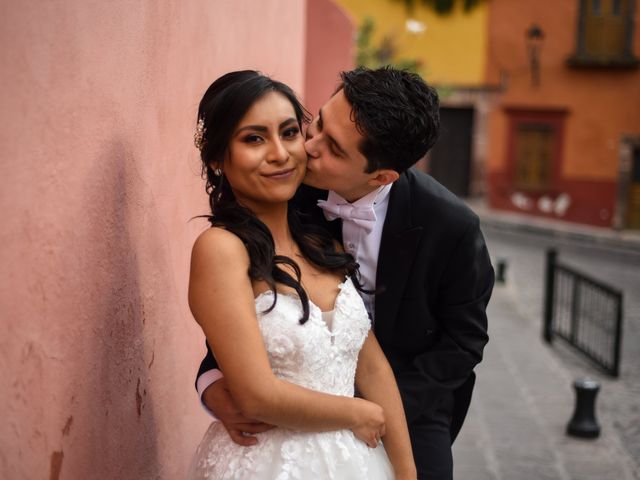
{"points": [[198, 137]]}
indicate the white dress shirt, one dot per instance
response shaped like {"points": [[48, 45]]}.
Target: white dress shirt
{"points": [[363, 245]]}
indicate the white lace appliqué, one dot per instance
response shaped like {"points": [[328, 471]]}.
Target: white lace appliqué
{"points": [[315, 357]]}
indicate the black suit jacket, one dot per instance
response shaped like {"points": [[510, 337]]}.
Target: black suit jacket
{"points": [[434, 280]]}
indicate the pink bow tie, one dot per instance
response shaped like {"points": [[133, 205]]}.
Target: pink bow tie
{"points": [[364, 216]]}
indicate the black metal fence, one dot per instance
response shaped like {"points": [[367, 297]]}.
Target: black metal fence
{"points": [[584, 312]]}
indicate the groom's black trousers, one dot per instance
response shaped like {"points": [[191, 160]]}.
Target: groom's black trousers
{"points": [[431, 443]]}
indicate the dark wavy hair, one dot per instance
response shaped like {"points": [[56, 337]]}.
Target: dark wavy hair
{"points": [[396, 112], [222, 107]]}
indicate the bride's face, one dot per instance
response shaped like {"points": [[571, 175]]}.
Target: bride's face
{"points": [[266, 160]]}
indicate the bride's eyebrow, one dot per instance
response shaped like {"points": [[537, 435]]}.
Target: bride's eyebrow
{"points": [[259, 128], [288, 122], [262, 128]]}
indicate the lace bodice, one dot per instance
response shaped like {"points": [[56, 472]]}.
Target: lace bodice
{"points": [[312, 355], [316, 357]]}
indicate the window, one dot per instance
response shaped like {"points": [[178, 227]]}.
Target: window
{"points": [[534, 150], [533, 155], [605, 33]]}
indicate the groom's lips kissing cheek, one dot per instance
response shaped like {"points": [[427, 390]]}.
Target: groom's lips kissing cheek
{"points": [[335, 161]]}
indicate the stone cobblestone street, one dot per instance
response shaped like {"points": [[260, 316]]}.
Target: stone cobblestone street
{"points": [[524, 398]]}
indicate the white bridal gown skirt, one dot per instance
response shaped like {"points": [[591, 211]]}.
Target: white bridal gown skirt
{"points": [[286, 455]]}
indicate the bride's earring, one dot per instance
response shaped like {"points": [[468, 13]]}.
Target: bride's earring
{"points": [[218, 172]]}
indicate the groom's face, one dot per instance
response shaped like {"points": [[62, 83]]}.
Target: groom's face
{"points": [[335, 161]]}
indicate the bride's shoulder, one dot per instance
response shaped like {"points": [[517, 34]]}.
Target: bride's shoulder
{"points": [[219, 246]]}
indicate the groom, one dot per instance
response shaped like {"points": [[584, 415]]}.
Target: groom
{"points": [[419, 247]]}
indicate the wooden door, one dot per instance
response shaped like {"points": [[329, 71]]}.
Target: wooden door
{"points": [[450, 159], [534, 156]]}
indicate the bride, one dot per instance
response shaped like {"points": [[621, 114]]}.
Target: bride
{"points": [[278, 302]]}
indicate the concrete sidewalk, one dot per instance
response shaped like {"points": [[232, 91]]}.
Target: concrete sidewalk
{"points": [[623, 240], [522, 403]]}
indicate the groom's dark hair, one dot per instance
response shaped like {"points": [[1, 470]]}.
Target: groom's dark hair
{"points": [[396, 112]]}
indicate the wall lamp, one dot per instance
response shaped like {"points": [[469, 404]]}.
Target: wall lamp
{"points": [[535, 37]]}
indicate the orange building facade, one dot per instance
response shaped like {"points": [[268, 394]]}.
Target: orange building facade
{"points": [[563, 137]]}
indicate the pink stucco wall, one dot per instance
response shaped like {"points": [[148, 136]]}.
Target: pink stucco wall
{"points": [[330, 49], [99, 175]]}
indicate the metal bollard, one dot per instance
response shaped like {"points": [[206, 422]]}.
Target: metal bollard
{"points": [[501, 270], [584, 424]]}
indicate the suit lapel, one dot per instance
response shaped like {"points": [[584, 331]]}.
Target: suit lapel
{"points": [[397, 253]]}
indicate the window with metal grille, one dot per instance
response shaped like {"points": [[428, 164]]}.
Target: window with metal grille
{"points": [[534, 148], [533, 155], [605, 34]]}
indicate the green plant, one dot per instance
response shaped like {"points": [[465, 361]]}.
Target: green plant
{"points": [[385, 53]]}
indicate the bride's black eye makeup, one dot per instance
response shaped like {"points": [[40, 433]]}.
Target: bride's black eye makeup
{"points": [[252, 138], [290, 133]]}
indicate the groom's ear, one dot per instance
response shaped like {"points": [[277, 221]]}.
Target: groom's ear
{"points": [[384, 176]]}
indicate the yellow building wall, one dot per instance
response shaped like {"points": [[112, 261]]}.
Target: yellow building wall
{"points": [[452, 48]]}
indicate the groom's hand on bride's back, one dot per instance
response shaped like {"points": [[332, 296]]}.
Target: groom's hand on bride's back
{"points": [[240, 428]]}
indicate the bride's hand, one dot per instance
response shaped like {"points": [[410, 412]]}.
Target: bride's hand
{"points": [[370, 426]]}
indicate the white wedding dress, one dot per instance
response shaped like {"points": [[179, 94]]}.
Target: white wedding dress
{"points": [[316, 357]]}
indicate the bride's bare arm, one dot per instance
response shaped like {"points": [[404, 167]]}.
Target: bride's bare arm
{"points": [[222, 302], [375, 381]]}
